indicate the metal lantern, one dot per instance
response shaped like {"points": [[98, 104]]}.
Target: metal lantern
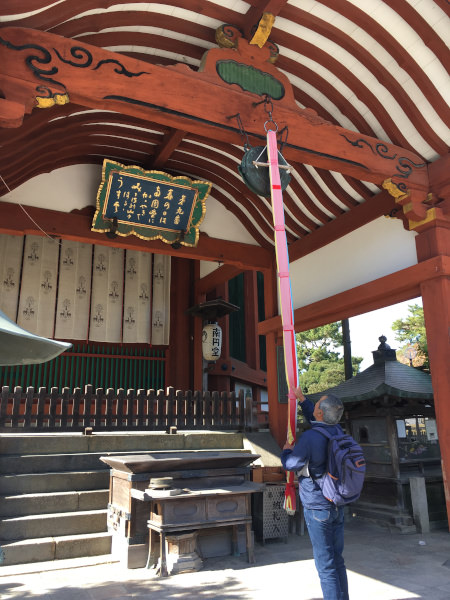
{"points": [[211, 341]]}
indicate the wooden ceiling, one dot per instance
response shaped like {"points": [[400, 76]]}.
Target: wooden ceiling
{"points": [[376, 67]]}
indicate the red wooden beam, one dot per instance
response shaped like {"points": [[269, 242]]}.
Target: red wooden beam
{"points": [[255, 12], [198, 102], [78, 227], [169, 144], [385, 291]]}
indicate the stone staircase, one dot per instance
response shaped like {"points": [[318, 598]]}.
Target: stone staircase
{"points": [[54, 488]]}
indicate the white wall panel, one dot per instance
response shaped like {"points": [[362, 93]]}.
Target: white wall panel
{"points": [[375, 250], [74, 291], [137, 301], [107, 295], [39, 283], [11, 249]]}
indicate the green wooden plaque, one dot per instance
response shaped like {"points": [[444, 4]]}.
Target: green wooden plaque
{"points": [[150, 204]]}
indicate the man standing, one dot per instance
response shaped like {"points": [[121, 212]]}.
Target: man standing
{"points": [[325, 520]]}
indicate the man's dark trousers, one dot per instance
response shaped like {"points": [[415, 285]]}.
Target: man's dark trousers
{"points": [[326, 531]]}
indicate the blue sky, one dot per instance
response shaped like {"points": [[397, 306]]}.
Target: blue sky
{"points": [[366, 329]]}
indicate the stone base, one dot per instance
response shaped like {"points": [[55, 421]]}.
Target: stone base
{"points": [[130, 556], [182, 553]]}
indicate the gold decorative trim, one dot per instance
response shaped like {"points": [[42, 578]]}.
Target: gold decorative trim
{"points": [[227, 36], [56, 99], [264, 30], [431, 216], [393, 190]]}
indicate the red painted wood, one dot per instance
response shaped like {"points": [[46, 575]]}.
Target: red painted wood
{"points": [[197, 334], [397, 287], [180, 360], [231, 205], [433, 244], [323, 139], [318, 192], [169, 144], [436, 308], [77, 227]]}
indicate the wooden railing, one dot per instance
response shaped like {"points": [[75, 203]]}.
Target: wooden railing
{"points": [[40, 411]]}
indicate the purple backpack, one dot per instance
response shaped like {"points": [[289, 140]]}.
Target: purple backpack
{"points": [[343, 481]]}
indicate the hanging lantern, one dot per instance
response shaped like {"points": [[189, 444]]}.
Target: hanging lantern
{"points": [[211, 341]]}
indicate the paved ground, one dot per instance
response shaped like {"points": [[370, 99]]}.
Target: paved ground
{"points": [[382, 566]]}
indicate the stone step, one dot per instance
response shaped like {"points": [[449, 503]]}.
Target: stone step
{"points": [[53, 482], [36, 504], [53, 524], [122, 442], [53, 463], [55, 548]]}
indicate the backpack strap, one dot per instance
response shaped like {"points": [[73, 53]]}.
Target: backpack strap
{"points": [[323, 432], [326, 434]]}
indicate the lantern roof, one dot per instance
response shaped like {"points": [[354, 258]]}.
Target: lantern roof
{"points": [[20, 347], [387, 376], [212, 309]]}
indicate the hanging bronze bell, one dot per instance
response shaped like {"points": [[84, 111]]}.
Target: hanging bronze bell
{"points": [[257, 178]]}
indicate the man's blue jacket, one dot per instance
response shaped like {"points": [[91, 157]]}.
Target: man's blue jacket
{"points": [[311, 449]]}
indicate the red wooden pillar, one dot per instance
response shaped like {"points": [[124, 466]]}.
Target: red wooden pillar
{"points": [[433, 239], [277, 411], [198, 326], [179, 364]]}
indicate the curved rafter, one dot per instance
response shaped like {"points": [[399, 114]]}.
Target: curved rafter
{"points": [[317, 33]]}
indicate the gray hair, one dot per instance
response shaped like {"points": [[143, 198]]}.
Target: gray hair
{"points": [[332, 409]]}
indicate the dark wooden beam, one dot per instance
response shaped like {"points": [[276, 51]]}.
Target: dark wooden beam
{"points": [[255, 12], [170, 143]]}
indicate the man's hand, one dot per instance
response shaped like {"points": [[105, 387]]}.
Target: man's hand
{"points": [[299, 394], [288, 446]]}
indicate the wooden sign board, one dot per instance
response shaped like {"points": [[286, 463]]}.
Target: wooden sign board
{"points": [[150, 204]]}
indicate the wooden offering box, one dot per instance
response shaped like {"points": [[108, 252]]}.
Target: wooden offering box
{"points": [[215, 489]]}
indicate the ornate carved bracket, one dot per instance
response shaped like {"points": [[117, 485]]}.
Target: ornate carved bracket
{"points": [[412, 200]]}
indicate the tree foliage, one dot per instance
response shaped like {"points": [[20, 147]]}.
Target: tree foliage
{"points": [[320, 363], [411, 331]]}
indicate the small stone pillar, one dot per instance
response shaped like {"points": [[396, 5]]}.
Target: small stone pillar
{"points": [[182, 553], [419, 504]]}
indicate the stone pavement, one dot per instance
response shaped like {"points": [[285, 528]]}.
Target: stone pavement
{"points": [[381, 566]]}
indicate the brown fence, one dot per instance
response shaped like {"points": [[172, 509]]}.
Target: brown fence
{"points": [[42, 411]]}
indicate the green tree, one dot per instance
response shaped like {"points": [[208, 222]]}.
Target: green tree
{"points": [[411, 331], [319, 358]]}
